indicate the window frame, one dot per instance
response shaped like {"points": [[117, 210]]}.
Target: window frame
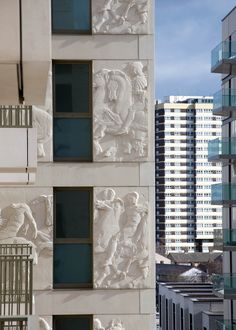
{"points": [[73, 31], [79, 241], [74, 115], [90, 316]]}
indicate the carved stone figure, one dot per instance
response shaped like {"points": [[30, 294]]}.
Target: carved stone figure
{"points": [[18, 225], [107, 219], [43, 241], [121, 241], [13, 218], [120, 16], [120, 114], [114, 324], [42, 120], [43, 325], [97, 325]]}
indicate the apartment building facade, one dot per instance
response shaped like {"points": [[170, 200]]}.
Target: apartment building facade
{"points": [[77, 166], [186, 220], [223, 62]]}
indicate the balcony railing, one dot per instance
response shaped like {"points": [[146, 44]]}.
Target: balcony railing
{"points": [[225, 325], [223, 57], [223, 194], [229, 239], [16, 286], [15, 116], [224, 285], [224, 102], [13, 323], [220, 149]]}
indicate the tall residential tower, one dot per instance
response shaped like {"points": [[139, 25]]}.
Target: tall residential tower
{"points": [[185, 217]]}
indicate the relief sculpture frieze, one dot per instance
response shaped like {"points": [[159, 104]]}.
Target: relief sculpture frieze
{"points": [[120, 16], [121, 113], [121, 251]]}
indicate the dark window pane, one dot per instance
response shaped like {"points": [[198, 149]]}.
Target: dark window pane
{"points": [[72, 88], [73, 214], [71, 15], [72, 138], [72, 264], [72, 323]]}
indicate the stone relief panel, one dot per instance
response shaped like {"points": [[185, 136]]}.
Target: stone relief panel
{"points": [[120, 123], [121, 238], [123, 322], [28, 220], [120, 16], [114, 324], [42, 120]]}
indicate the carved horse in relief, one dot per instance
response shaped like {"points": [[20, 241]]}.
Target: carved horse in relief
{"points": [[113, 105]]}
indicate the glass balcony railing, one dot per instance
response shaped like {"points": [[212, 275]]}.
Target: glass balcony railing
{"points": [[224, 101], [223, 193], [225, 325], [229, 237], [224, 284], [224, 148], [222, 56]]}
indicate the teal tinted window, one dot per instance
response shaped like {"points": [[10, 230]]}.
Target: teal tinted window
{"points": [[72, 138], [72, 88], [72, 265], [71, 16], [74, 322], [72, 254], [72, 104], [73, 213]]}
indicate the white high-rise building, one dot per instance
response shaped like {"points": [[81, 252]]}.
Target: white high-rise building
{"points": [[186, 220], [77, 165]]}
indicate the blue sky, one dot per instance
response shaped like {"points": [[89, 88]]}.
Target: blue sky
{"points": [[186, 32]]}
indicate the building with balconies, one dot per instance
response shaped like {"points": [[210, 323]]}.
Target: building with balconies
{"points": [[186, 220], [223, 150], [77, 165]]}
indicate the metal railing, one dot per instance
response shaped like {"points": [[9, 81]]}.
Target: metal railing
{"points": [[15, 116], [16, 279], [13, 323]]}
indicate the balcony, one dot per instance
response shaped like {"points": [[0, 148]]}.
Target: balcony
{"points": [[224, 102], [225, 285], [223, 194], [229, 239], [222, 149], [16, 288], [18, 145], [225, 325], [223, 58]]}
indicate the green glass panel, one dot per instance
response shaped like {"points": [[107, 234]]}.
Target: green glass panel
{"points": [[225, 50], [73, 213], [72, 264], [223, 192], [223, 147], [72, 138], [224, 98], [71, 87], [225, 325], [229, 237], [71, 15], [72, 322]]}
